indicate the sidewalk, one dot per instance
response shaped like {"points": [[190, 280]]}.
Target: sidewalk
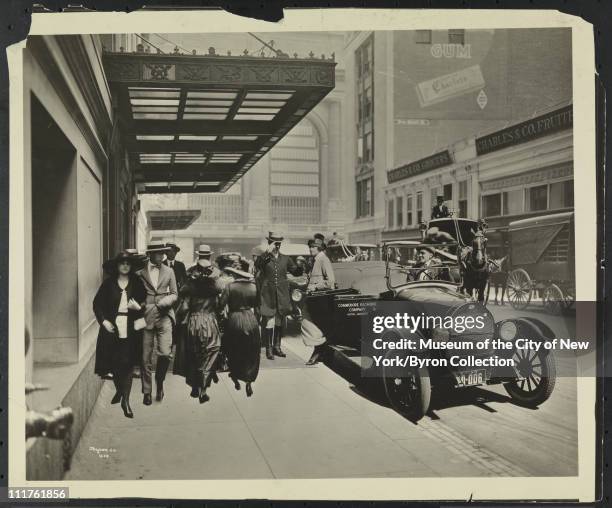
{"points": [[302, 422]]}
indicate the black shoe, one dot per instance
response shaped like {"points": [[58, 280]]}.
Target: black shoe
{"points": [[146, 400], [276, 345], [214, 377], [314, 359], [194, 393], [116, 398], [159, 396], [236, 384], [127, 410], [269, 354], [204, 398], [249, 390]]}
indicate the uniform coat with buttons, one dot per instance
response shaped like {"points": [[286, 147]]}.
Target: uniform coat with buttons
{"points": [[273, 284]]}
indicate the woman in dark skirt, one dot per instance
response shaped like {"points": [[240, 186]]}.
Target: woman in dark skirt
{"points": [[118, 308], [241, 338], [199, 342]]}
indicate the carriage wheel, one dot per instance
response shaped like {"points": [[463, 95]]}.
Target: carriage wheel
{"points": [[568, 299], [518, 288], [553, 300]]}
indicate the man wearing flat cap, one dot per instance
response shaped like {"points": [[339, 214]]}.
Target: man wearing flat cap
{"points": [[161, 295], [275, 303]]}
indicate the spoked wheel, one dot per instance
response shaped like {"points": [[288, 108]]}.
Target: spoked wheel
{"points": [[538, 374], [408, 390], [553, 300], [518, 289]]}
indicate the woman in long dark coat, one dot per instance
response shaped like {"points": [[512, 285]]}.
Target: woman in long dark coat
{"points": [[241, 338], [198, 345], [118, 305]]}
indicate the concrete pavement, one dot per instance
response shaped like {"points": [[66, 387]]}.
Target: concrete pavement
{"points": [[315, 422]]}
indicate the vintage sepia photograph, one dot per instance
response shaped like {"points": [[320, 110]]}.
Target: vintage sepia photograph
{"points": [[206, 215]]}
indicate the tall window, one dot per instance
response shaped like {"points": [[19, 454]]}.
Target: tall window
{"points": [[390, 204], [364, 61], [409, 210], [399, 212], [536, 198], [491, 205], [463, 200], [365, 197], [294, 177], [456, 36], [419, 206]]}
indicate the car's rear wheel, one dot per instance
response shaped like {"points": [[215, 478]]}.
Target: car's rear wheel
{"points": [[538, 376], [408, 391]]}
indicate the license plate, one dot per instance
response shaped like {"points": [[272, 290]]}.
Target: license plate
{"points": [[471, 377]]}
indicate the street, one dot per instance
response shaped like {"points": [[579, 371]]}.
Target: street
{"points": [[317, 422]]}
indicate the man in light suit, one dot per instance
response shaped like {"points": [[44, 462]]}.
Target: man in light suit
{"points": [[160, 285]]}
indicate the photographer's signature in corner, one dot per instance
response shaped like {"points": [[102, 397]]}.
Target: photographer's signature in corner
{"points": [[103, 453]]}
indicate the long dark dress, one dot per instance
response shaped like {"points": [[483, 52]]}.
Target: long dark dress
{"points": [[241, 338], [112, 353], [199, 342]]}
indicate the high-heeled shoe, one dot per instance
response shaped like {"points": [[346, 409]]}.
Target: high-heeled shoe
{"points": [[249, 390], [127, 410], [116, 398]]}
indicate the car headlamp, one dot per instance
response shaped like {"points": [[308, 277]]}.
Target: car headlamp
{"points": [[508, 330], [296, 295]]}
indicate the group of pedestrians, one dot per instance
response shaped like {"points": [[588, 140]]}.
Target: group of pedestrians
{"points": [[213, 315]]}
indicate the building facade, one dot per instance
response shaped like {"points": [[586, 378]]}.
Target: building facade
{"points": [[421, 98]]}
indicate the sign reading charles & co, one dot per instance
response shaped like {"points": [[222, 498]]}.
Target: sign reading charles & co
{"points": [[543, 125]]}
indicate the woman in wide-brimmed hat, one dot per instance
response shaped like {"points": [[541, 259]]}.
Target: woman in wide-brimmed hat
{"points": [[118, 306], [241, 336]]}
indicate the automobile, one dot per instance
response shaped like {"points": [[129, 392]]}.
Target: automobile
{"points": [[368, 288]]}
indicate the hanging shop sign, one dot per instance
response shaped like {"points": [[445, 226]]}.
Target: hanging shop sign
{"points": [[414, 168]]}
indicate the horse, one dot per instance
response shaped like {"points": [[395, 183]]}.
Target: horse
{"points": [[498, 269], [475, 267]]}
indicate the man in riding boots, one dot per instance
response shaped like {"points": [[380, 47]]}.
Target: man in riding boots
{"points": [[321, 277], [275, 303], [440, 210]]}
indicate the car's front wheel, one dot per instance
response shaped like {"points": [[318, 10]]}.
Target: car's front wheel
{"points": [[538, 374], [408, 391]]}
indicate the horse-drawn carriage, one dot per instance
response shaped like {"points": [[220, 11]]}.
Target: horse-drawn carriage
{"points": [[542, 261]]}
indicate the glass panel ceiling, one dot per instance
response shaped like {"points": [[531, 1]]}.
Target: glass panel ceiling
{"points": [[153, 137], [211, 95], [189, 137]]}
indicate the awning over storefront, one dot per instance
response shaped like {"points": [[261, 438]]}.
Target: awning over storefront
{"points": [[161, 220], [197, 123]]}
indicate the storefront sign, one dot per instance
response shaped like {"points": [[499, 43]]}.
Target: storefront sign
{"points": [[549, 123], [414, 168], [450, 85]]}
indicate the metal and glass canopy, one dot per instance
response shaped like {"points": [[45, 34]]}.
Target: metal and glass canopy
{"points": [[197, 123]]}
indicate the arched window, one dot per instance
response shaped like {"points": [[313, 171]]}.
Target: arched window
{"points": [[295, 177]]}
